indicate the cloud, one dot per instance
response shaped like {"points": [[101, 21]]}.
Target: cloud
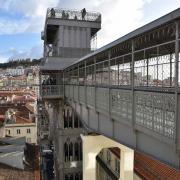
{"points": [[118, 16], [32, 13], [12, 27], [34, 53], [14, 53], [30, 8]]}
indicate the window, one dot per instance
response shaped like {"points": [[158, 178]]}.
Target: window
{"points": [[76, 176], [8, 132], [71, 177], [71, 151], [65, 119], [76, 120], [76, 153], [66, 177], [28, 131], [18, 131], [108, 157], [117, 166], [66, 152]]}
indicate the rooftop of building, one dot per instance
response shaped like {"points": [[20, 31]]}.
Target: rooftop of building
{"points": [[9, 173], [12, 150], [20, 113], [115, 151], [15, 92], [149, 168]]}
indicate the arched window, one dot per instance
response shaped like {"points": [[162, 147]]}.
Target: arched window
{"points": [[68, 117], [66, 152], [80, 123], [77, 176], [70, 120], [76, 151], [80, 150], [65, 119], [71, 177], [80, 176], [66, 177], [76, 121], [71, 151]]}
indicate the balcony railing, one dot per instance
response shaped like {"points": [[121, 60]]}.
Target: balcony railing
{"points": [[73, 15], [52, 91]]}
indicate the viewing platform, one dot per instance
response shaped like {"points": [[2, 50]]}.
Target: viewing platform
{"points": [[73, 15]]}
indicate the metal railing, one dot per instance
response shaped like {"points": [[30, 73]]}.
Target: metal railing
{"points": [[52, 91], [154, 111], [73, 15]]}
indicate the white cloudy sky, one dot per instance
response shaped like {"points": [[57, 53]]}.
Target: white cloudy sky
{"points": [[21, 21]]}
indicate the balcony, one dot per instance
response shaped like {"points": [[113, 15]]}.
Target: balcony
{"points": [[52, 91]]}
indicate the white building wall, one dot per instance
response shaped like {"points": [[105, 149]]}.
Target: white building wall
{"points": [[11, 130]]}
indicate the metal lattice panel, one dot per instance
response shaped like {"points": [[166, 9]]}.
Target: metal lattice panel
{"points": [[71, 91], [91, 96], [67, 90], [76, 93], [156, 111], [102, 98], [121, 103], [82, 94]]}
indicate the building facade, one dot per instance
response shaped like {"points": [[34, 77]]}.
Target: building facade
{"points": [[67, 37], [27, 130]]}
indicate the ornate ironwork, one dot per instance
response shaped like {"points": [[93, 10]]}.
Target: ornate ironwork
{"points": [[156, 111], [121, 103]]}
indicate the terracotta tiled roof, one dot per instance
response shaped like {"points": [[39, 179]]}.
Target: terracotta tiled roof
{"points": [[23, 98], [2, 119], [115, 151], [21, 120], [149, 168], [2, 116], [14, 92], [30, 107], [20, 109]]}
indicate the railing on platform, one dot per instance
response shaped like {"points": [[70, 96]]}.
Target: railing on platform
{"points": [[50, 91], [73, 15]]}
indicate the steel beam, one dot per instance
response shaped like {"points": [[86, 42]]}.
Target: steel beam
{"points": [[177, 134]]}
